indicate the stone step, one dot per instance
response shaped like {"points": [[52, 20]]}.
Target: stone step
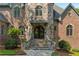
{"points": [[41, 48], [38, 52]]}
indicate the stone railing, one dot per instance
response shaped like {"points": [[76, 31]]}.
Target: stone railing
{"points": [[51, 44], [38, 19]]}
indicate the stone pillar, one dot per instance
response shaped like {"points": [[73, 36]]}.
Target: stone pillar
{"points": [[28, 33], [50, 19]]}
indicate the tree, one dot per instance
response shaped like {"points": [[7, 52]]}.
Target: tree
{"points": [[25, 21], [77, 9], [10, 18]]}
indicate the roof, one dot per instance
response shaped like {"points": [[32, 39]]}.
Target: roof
{"points": [[58, 9], [3, 5], [67, 9]]}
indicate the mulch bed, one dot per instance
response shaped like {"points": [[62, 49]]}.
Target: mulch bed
{"points": [[63, 53], [20, 52]]}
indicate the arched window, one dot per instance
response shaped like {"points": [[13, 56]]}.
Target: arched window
{"points": [[69, 30], [38, 11], [16, 12]]}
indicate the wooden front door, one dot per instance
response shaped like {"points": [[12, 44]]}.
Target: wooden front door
{"points": [[39, 32]]}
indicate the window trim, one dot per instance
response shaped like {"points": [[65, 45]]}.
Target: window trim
{"points": [[72, 30], [37, 10]]}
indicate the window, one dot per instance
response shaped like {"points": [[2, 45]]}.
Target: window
{"points": [[69, 30], [16, 12], [38, 11], [2, 30]]}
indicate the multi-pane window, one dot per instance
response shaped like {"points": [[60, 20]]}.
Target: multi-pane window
{"points": [[16, 12], [69, 30], [38, 11]]}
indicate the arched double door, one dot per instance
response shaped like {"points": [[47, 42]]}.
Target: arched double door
{"points": [[39, 32]]}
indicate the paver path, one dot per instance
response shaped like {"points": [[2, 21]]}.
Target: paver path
{"points": [[38, 52]]}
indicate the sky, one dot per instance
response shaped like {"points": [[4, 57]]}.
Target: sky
{"points": [[64, 5]]}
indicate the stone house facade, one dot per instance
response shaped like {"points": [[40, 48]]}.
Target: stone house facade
{"points": [[46, 19]]}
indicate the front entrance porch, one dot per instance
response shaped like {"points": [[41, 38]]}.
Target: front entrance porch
{"points": [[39, 35], [39, 39]]}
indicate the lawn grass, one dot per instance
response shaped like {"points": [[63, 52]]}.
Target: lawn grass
{"points": [[59, 52], [75, 52], [7, 52]]}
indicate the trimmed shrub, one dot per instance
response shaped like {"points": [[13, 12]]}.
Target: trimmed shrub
{"points": [[11, 43], [64, 45]]}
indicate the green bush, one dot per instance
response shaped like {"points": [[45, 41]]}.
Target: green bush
{"points": [[13, 32], [64, 45], [11, 43]]}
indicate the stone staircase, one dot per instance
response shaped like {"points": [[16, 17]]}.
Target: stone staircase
{"points": [[40, 45], [35, 49], [38, 52]]}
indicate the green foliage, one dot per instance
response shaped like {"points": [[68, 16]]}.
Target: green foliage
{"points": [[13, 32], [77, 10], [74, 54], [64, 45], [10, 43], [75, 50]]}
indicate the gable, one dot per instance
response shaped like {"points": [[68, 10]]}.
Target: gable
{"points": [[72, 13], [69, 10]]}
